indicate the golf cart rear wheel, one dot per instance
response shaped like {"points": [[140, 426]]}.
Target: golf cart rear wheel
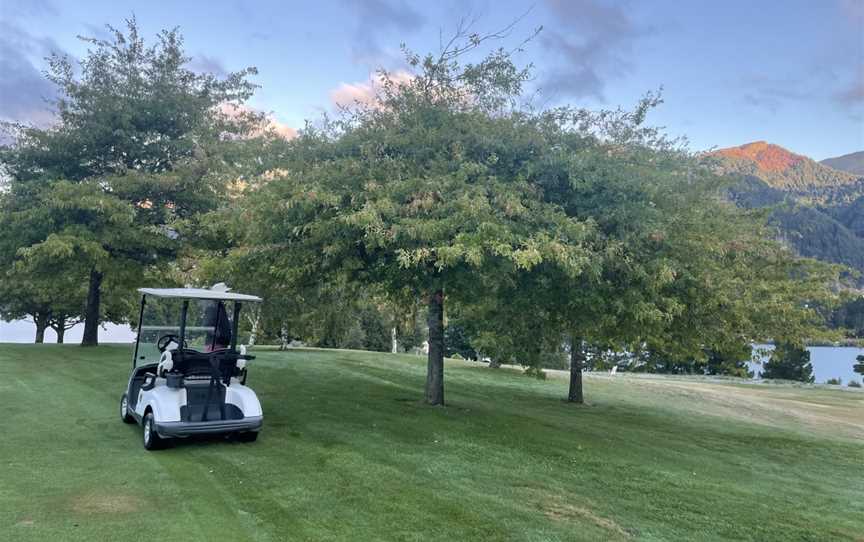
{"points": [[124, 410], [152, 441], [250, 436]]}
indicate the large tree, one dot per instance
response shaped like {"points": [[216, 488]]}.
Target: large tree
{"points": [[140, 144], [426, 190], [678, 270]]}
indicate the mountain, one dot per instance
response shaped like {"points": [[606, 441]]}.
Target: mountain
{"points": [[850, 163], [792, 173], [817, 209]]}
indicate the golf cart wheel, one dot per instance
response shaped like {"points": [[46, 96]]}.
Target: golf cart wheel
{"points": [[250, 436], [124, 410], [152, 441]]}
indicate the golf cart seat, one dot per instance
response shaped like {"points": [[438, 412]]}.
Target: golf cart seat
{"points": [[221, 364]]}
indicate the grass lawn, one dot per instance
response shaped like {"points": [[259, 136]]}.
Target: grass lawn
{"points": [[348, 453]]}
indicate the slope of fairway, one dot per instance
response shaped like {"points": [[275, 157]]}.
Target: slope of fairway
{"points": [[348, 453]]}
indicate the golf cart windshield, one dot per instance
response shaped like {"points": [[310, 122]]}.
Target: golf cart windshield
{"points": [[167, 315]]}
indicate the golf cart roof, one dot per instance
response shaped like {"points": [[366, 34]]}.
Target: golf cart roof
{"points": [[198, 293]]}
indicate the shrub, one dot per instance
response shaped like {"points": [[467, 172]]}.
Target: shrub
{"points": [[789, 362], [859, 367], [854, 384], [834, 381], [536, 372]]}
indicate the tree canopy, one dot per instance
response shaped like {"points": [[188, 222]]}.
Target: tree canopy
{"points": [[140, 146]]}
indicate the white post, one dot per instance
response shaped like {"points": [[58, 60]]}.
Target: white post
{"points": [[254, 320], [283, 336], [395, 344]]}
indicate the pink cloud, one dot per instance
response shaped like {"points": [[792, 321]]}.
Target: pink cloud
{"points": [[269, 124], [364, 93]]}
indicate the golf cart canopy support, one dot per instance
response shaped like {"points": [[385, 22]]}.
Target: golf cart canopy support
{"points": [[218, 294]]}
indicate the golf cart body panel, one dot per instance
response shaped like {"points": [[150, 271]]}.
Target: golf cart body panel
{"points": [[188, 376], [188, 429]]}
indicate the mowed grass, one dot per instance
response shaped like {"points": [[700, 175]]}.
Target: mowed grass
{"points": [[349, 453]]}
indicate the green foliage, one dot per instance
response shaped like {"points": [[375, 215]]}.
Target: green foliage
{"points": [[859, 367], [801, 176], [834, 381], [732, 362], [816, 210], [433, 188], [535, 372], [140, 149], [457, 341], [789, 361], [854, 384], [816, 234], [679, 274], [849, 316]]}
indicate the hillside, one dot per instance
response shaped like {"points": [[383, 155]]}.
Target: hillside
{"points": [[792, 173], [819, 210], [850, 163], [348, 452]]}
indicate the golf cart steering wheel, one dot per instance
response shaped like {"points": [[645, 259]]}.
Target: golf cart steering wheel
{"points": [[164, 340]]}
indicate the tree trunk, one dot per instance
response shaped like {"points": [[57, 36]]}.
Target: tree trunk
{"points": [[91, 313], [577, 358], [58, 324], [41, 322], [435, 364], [394, 344]]}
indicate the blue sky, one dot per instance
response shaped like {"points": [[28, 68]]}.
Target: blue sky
{"points": [[789, 72]]}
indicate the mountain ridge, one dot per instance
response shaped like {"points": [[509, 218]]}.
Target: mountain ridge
{"points": [[784, 169], [850, 163], [818, 210]]}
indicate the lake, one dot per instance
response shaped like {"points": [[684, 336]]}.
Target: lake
{"points": [[22, 331], [828, 361]]}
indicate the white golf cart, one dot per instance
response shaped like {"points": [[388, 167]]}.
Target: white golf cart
{"points": [[188, 377]]}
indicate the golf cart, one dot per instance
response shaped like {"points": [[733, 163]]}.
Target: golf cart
{"points": [[188, 376]]}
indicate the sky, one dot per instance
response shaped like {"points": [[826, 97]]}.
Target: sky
{"points": [[788, 72]]}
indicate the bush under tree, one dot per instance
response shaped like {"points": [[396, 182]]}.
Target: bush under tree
{"points": [[789, 361]]}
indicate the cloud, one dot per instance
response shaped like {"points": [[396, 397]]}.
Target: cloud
{"points": [[349, 94], [25, 93], [595, 47], [281, 129], [202, 63], [833, 76], [854, 95], [28, 8], [853, 10], [377, 17], [270, 122], [260, 36], [772, 94]]}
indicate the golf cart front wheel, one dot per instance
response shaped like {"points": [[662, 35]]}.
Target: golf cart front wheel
{"points": [[152, 441], [250, 436], [125, 416]]}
